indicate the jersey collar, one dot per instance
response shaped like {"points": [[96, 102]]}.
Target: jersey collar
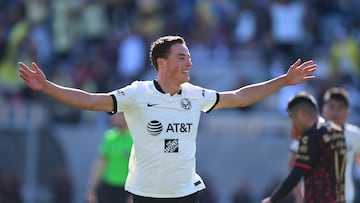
{"points": [[158, 87]]}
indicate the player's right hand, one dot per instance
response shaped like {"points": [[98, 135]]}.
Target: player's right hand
{"points": [[33, 77]]}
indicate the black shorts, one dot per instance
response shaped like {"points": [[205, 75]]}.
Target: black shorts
{"points": [[112, 194], [193, 198]]}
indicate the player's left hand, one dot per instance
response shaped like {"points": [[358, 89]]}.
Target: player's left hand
{"points": [[300, 72]]}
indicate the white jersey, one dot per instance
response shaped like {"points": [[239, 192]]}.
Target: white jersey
{"points": [[164, 129], [352, 138]]}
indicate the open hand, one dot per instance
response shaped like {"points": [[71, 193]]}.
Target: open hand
{"points": [[300, 72], [33, 77]]}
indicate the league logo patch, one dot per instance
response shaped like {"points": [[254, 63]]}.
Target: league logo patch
{"points": [[185, 104], [154, 127], [171, 145], [121, 92]]}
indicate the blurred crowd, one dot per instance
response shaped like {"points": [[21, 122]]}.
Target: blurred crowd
{"points": [[100, 45]]}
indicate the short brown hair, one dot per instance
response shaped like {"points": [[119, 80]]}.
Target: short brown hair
{"points": [[160, 48], [336, 93]]}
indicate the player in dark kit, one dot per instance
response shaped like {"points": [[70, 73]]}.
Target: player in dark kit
{"points": [[321, 157]]}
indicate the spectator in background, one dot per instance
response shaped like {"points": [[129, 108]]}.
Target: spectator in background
{"points": [[111, 167], [148, 20], [65, 27], [94, 20], [344, 58], [131, 57], [246, 27], [288, 27]]}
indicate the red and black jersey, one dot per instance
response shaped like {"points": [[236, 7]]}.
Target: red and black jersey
{"points": [[320, 160], [322, 153]]}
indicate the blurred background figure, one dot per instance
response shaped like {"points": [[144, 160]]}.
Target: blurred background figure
{"points": [[242, 194], [9, 188], [336, 107], [63, 186], [110, 169]]}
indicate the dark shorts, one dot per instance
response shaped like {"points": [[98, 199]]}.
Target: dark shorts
{"points": [[193, 198], [112, 194]]}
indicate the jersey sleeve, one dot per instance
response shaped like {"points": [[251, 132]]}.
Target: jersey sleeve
{"points": [[288, 184], [123, 98], [308, 150], [210, 99]]}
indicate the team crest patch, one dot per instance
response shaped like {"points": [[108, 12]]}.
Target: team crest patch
{"points": [[185, 104], [171, 145]]}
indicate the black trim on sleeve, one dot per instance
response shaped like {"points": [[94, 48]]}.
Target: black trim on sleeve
{"points": [[288, 184], [114, 111], [216, 102]]}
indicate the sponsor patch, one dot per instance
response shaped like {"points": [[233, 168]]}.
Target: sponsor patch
{"points": [[154, 127], [171, 145]]}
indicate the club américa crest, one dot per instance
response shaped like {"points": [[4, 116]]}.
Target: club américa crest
{"points": [[185, 104]]}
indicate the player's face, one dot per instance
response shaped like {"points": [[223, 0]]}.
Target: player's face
{"points": [[296, 121], [335, 111], [178, 64]]}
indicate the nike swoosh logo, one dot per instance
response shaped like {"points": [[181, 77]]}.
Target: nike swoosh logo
{"points": [[150, 105]]}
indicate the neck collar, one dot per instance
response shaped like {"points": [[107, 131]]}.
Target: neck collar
{"points": [[158, 87]]}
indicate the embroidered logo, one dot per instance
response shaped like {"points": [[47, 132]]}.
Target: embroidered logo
{"points": [[150, 105], [185, 104]]}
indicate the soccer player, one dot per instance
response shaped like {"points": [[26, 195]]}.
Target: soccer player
{"points": [[321, 157], [337, 109], [163, 117], [111, 167]]}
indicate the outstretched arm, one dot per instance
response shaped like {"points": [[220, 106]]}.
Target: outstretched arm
{"points": [[247, 95], [35, 79]]}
